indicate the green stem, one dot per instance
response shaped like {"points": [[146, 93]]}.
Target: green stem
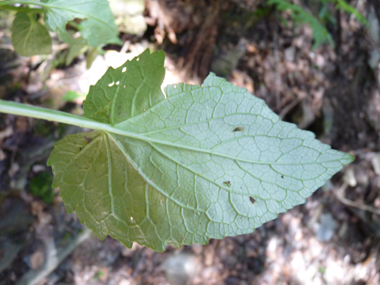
{"points": [[25, 110], [9, 107], [23, 9], [8, 5], [2, 3], [19, 109]]}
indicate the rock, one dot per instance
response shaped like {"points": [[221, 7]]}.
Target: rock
{"points": [[180, 268], [325, 229]]}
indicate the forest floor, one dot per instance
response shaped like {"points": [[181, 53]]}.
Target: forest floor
{"points": [[334, 238]]}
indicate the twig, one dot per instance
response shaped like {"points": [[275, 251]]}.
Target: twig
{"points": [[289, 107], [276, 62], [125, 47], [349, 16], [52, 259], [341, 197]]}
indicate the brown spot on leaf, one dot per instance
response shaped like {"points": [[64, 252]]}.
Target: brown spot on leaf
{"points": [[227, 183], [88, 139], [237, 129]]}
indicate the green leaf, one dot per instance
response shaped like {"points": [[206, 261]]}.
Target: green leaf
{"points": [[141, 78], [98, 28], [70, 96], [300, 15], [205, 162], [351, 10], [40, 186], [91, 56], [29, 37], [79, 46]]}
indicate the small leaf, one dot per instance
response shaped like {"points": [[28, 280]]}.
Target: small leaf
{"points": [[98, 27], [29, 37], [78, 47], [91, 56], [70, 96], [40, 186], [170, 170], [128, 90], [300, 15]]}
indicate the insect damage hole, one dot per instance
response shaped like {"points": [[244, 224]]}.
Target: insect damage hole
{"points": [[253, 201], [124, 69], [111, 84], [117, 82]]}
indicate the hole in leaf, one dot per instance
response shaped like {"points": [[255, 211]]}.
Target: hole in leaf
{"points": [[237, 129], [117, 82], [253, 201], [111, 84], [138, 59], [175, 86], [124, 69], [131, 218]]}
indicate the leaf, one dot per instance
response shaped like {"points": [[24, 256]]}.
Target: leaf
{"points": [[78, 46], [29, 37], [70, 96], [174, 170], [98, 28], [141, 78], [320, 33], [91, 56], [40, 186], [351, 10]]}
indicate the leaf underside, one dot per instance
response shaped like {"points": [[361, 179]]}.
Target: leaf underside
{"points": [[98, 25], [203, 162], [29, 37]]}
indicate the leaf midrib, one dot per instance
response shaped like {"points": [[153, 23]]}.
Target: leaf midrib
{"points": [[143, 136], [110, 129]]}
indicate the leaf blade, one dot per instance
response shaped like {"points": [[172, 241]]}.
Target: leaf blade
{"points": [[98, 28], [179, 172], [29, 37], [121, 93]]}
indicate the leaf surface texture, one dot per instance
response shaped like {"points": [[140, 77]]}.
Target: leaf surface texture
{"points": [[98, 25], [29, 37], [203, 162]]}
